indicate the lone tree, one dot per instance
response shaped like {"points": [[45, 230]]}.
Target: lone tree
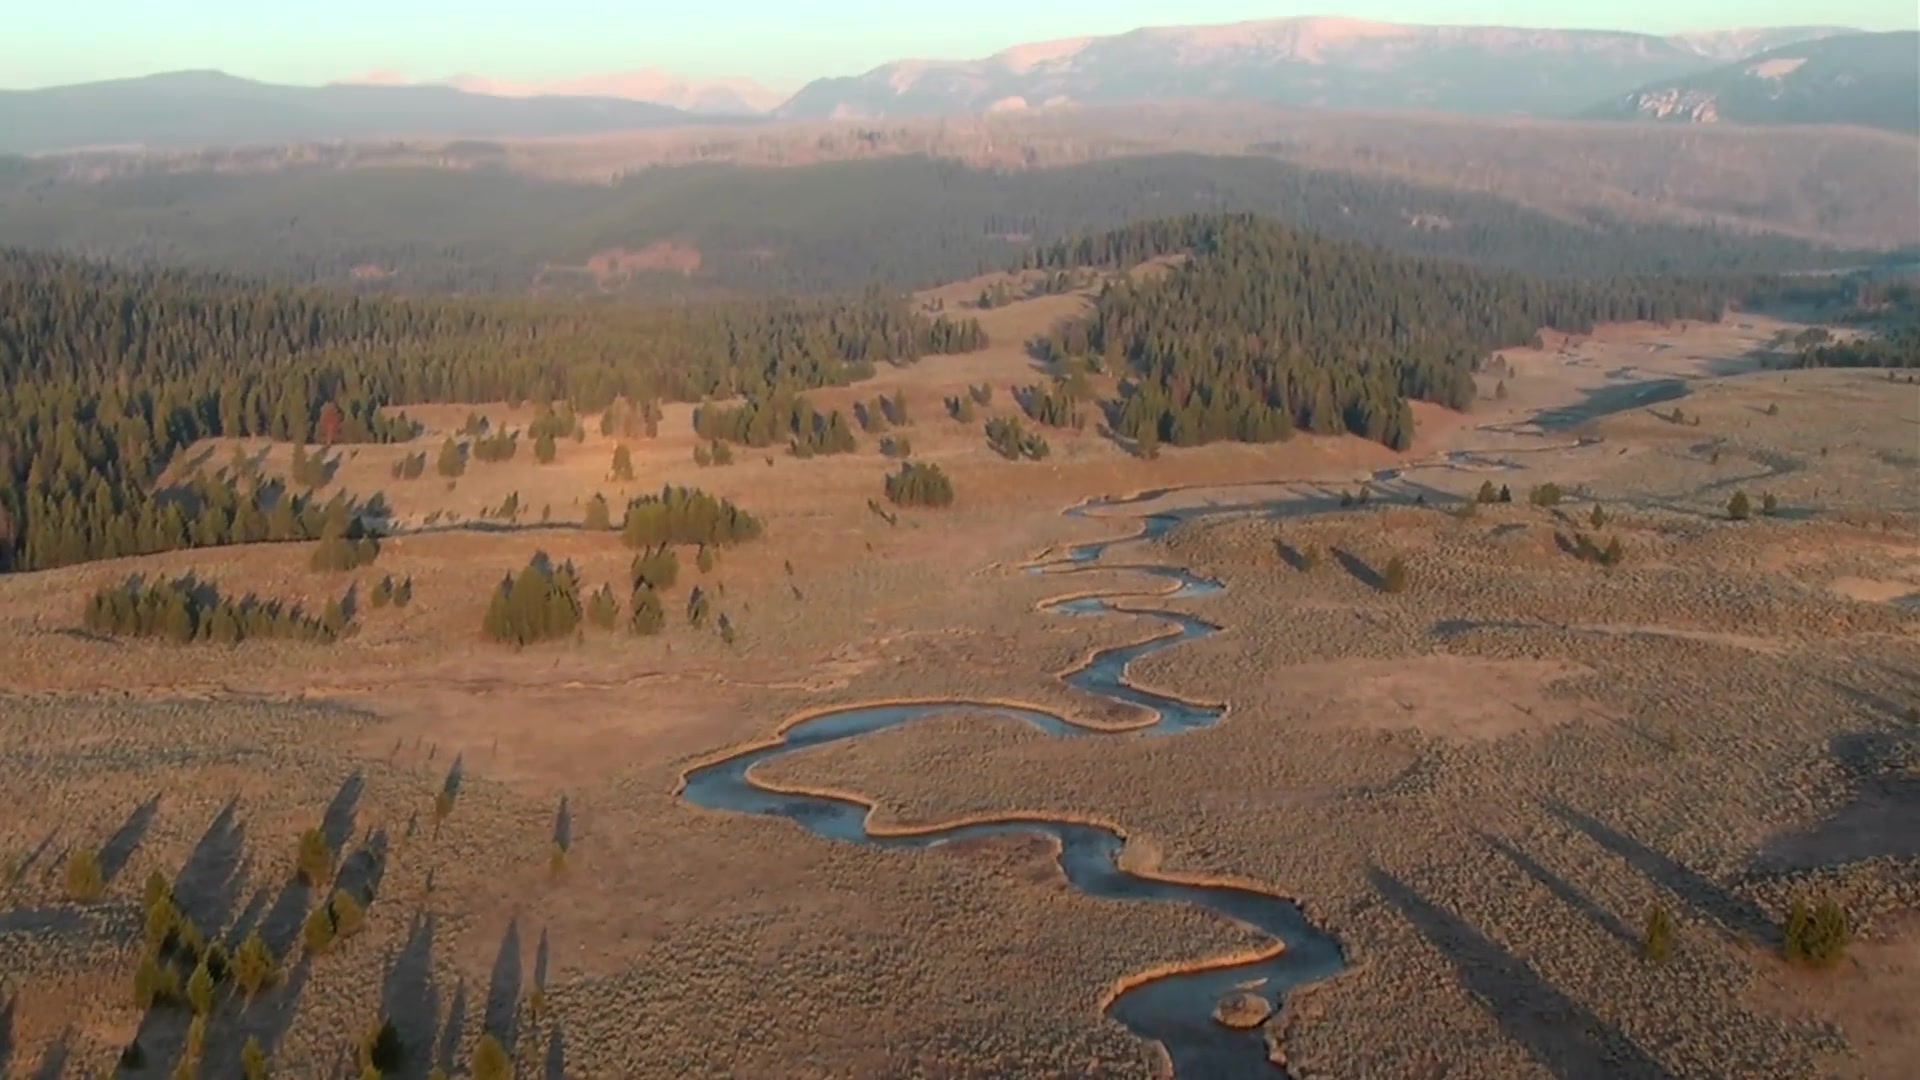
{"points": [[1738, 508], [1657, 946], [622, 463], [85, 879], [1394, 579]]}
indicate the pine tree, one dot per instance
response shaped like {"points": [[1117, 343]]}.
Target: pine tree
{"points": [[253, 1059], [452, 462], [622, 463], [85, 878], [315, 863], [1657, 944], [490, 1060], [253, 964], [544, 449], [599, 518], [1738, 508]]}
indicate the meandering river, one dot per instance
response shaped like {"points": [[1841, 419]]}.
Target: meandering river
{"points": [[1174, 1010]]}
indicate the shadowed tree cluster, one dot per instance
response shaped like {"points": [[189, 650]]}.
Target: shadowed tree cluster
{"points": [[187, 609], [781, 414], [683, 515], [919, 484], [540, 603], [1012, 441]]}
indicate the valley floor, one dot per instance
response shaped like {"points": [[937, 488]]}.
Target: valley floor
{"points": [[1481, 785]]}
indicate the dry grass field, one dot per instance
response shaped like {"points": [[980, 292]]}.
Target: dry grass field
{"points": [[1480, 784]]}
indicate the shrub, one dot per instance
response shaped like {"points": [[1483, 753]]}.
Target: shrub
{"points": [[1486, 494], [1395, 578], [1816, 936], [1738, 508], [1545, 495]]}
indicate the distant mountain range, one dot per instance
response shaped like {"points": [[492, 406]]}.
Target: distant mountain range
{"points": [[208, 108], [707, 97], [1868, 79], [1329, 63], [1313, 62]]}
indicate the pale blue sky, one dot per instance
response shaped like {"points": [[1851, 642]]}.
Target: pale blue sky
{"points": [[780, 42]]}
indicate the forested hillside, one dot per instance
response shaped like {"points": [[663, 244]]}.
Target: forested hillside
{"points": [[1267, 329], [901, 222], [105, 374]]}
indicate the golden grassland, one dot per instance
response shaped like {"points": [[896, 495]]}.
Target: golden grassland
{"points": [[1480, 784]]}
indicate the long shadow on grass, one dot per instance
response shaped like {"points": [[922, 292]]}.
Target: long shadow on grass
{"points": [[336, 822], [502, 1009], [1563, 890], [119, 848], [448, 1049], [410, 1000], [7, 1011], [1364, 574], [1570, 1041], [53, 1063], [555, 1066], [1732, 911], [1881, 818]]}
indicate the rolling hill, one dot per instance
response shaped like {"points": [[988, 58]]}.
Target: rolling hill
{"points": [[702, 97], [1319, 62], [190, 109], [1872, 80]]}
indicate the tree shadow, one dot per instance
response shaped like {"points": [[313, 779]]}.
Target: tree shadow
{"points": [[209, 881], [8, 1009], [1562, 890], [362, 871], [409, 999], [1290, 555], [1880, 820], [541, 956], [33, 857], [336, 821], [1571, 1042], [1364, 574], [562, 830], [1732, 911], [447, 1051], [502, 1008], [555, 1066], [119, 848], [53, 1063]]}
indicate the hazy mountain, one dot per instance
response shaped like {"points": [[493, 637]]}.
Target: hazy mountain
{"points": [[1868, 79], [1321, 62], [208, 108], [719, 97]]}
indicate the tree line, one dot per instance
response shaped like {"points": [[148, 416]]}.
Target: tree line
{"points": [[107, 373], [187, 609]]}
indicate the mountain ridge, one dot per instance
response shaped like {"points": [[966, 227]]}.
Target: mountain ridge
{"points": [[1869, 79], [204, 108], [1313, 61], [700, 97]]}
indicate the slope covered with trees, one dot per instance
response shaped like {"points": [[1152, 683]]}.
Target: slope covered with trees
{"points": [[901, 221], [1265, 330], [105, 374]]}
